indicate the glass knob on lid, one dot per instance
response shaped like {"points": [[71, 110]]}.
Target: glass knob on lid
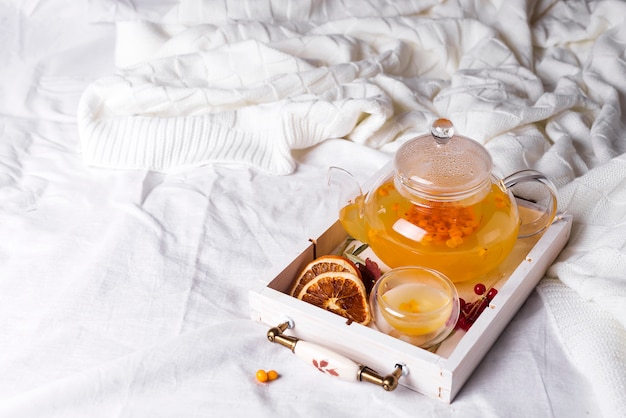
{"points": [[442, 166], [442, 130]]}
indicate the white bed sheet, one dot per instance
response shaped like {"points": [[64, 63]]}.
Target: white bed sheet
{"points": [[125, 292]]}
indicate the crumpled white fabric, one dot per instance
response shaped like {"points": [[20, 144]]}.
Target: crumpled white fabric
{"points": [[116, 262], [539, 82]]}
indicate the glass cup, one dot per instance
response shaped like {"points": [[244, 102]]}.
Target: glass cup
{"points": [[415, 304]]}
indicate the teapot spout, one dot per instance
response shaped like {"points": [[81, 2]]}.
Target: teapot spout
{"points": [[351, 202]]}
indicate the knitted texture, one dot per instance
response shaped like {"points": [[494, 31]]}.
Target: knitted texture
{"points": [[248, 82], [249, 91], [595, 341]]}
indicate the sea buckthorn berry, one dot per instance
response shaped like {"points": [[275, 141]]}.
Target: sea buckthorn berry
{"points": [[444, 221], [479, 289], [262, 376], [454, 242], [501, 202], [272, 375], [482, 253]]}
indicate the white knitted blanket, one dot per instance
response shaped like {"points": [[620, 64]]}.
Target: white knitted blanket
{"points": [[541, 83]]}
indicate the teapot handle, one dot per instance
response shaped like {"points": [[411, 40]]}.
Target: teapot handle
{"points": [[351, 201], [536, 198]]}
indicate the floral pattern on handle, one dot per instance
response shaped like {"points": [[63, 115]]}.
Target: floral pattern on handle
{"points": [[322, 367], [327, 361]]}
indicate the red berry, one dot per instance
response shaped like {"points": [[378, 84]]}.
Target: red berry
{"points": [[492, 293], [467, 308], [464, 323], [461, 303], [460, 322], [482, 305], [479, 289]]}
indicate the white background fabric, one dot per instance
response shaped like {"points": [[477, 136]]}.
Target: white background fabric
{"points": [[124, 292]]}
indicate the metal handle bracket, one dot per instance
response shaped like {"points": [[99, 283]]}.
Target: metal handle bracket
{"points": [[335, 364]]}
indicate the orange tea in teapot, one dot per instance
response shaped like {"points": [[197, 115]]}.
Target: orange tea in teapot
{"points": [[463, 242], [442, 208]]}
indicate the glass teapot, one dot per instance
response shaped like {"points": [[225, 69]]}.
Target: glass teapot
{"points": [[442, 208]]}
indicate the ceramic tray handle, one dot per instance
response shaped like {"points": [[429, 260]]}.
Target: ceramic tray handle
{"points": [[327, 361], [332, 363]]}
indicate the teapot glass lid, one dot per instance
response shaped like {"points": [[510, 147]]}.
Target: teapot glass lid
{"points": [[442, 165]]}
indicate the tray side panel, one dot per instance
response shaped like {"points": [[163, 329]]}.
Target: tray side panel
{"points": [[478, 340], [363, 345]]}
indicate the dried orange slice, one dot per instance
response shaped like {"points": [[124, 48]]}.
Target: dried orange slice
{"points": [[340, 292], [321, 265]]}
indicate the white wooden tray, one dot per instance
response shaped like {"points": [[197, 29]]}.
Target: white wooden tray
{"points": [[439, 374]]}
